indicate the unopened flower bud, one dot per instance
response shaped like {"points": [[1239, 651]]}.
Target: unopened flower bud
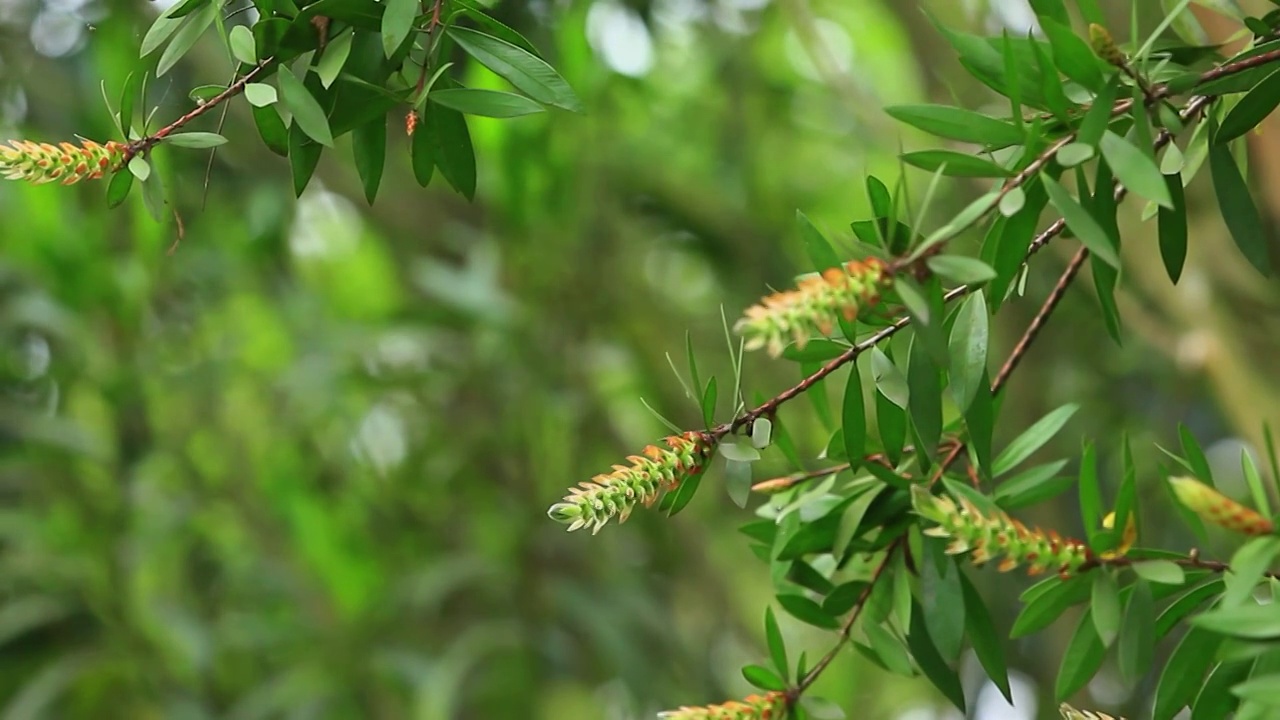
{"points": [[1219, 509]]}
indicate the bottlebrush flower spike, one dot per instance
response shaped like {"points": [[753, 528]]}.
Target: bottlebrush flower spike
{"points": [[1219, 509], [769, 706], [654, 471], [1069, 713], [994, 534], [815, 306], [43, 162]]}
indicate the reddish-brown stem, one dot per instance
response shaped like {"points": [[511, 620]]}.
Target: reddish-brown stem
{"points": [[144, 144], [1192, 560], [845, 630]]}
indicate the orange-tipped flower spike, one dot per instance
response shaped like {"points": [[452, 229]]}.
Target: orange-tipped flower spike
{"points": [[1219, 509], [615, 494], [816, 306], [41, 162]]}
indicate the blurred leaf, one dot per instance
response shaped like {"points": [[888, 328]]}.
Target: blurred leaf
{"points": [[1185, 605], [1260, 622], [1081, 659], [931, 662], [1072, 55], [1184, 672], [980, 421], [942, 600], [304, 156], [196, 140], [708, 404], [807, 611], [1238, 210], [953, 123], [260, 94], [763, 678], [1049, 604], [242, 44], [1215, 700], [334, 58], [954, 164], [984, 638], [815, 244], [1165, 572], [1264, 690], [1137, 634], [961, 270], [1105, 606], [1032, 486], [1098, 117], [1195, 456], [1252, 109], [119, 187], [777, 648], [1248, 565], [369, 150], [193, 26], [738, 481], [397, 22]]}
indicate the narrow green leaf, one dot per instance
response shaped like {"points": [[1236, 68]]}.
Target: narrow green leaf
{"points": [[1051, 601], [1237, 207], [961, 270], [955, 123], [980, 420], [1055, 97], [1185, 605], [1255, 622], [1105, 607], [1135, 170], [1072, 54], [1215, 700], [128, 98], [193, 26], [307, 113], [1173, 229], [1165, 572], [942, 599], [1080, 222], [925, 402], [1195, 455], [486, 103], [967, 348], [334, 57], [763, 678], [853, 418], [1090, 490], [1098, 117], [161, 30], [369, 150], [1183, 673], [304, 156], [1033, 438], [528, 73], [119, 187], [451, 147], [1252, 109], [955, 164], [708, 404], [984, 637], [777, 648], [1082, 658], [1264, 690], [272, 129], [1032, 486], [816, 245], [926, 655], [1247, 567], [807, 611], [195, 140], [1137, 642]]}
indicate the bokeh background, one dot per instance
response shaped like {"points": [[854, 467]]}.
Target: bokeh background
{"points": [[296, 465]]}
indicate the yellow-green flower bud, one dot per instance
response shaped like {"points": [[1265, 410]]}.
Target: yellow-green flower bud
{"points": [[1219, 509]]}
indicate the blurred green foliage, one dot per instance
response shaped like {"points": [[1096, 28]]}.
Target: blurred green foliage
{"points": [[294, 463]]}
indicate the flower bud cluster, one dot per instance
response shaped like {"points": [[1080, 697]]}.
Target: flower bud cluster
{"points": [[769, 706], [1219, 509], [994, 534], [814, 307], [43, 162], [615, 494]]}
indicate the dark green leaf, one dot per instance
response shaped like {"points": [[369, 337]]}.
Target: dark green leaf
{"points": [[482, 18], [1237, 207], [683, 494], [1051, 601], [853, 418], [1185, 605], [308, 116], [1102, 206], [942, 600], [1012, 242], [451, 147], [815, 244], [1080, 222], [926, 655], [925, 402], [1082, 658], [369, 149], [1173, 229], [527, 72], [763, 678], [955, 123], [486, 103], [777, 648], [1090, 490], [842, 599], [128, 98], [1215, 700], [1072, 55], [1252, 109], [808, 611], [1055, 97], [954, 164], [980, 420], [1195, 456], [272, 129], [1137, 634], [118, 189], [816, 350], [708, 404], [985, 639], [422, 155], [1098, 117], [304, 155], [1182, 675]]}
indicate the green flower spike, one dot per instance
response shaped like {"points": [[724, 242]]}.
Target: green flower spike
{"points": [[993, 534]]}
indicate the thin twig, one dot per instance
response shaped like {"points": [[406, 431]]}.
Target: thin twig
{"points": [[1192, 560], [144, 144], [846, 630]]}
